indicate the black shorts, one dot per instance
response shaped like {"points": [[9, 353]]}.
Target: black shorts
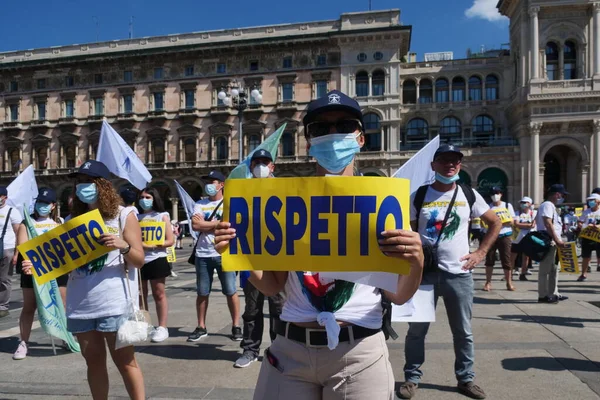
{"points": [[587, 246], [156, 269], [27, 281], [515, 248]]}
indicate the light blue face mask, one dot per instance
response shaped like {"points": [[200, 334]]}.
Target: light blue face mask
{"points": [[43, 209], [211, 189], [445, 180], [335, 151], [87, 192], [591, 203], [146, 204]]}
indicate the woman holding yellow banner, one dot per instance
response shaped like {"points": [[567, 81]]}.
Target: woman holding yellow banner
{"points": [[45, 218], [157, 235], [97, 296]]}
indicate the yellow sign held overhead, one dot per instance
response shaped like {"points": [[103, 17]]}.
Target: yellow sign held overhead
{"points": [[567, 257], [66, 247], [314, 224], [153, 232]]}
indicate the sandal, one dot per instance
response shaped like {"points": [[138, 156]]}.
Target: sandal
{"points": [[487, 287]]}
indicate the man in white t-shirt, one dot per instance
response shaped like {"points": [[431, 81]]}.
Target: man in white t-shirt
{"points": [[10, 219], [548, 220], [453, 279], [589, 218]]}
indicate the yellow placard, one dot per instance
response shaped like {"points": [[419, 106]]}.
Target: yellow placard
{"points": [[153, 232], [504, 215], [567, 256], [314, 224], [66, 247], [591, 233], [171, 256], [578, 211]]}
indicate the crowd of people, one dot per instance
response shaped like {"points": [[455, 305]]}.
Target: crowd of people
{"points": [[327, 334]]}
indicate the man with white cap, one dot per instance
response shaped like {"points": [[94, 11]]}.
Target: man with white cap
{"points": [[589, 218], [525, 222]]}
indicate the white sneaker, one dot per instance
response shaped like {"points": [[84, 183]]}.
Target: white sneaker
{"points": [[159, 334], [174, 274], [21, 352]]}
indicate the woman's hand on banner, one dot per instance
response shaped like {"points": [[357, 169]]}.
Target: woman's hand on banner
{"points": [[223, 234], [113, 241], [27, 267], [402, 244]]}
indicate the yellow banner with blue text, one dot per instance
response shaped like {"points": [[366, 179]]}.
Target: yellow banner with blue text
{"points": [[591, 233], [319, 224], [153, 232], [171, 255], [504, 215], [567, 257], [578, 211], [66, 247]]}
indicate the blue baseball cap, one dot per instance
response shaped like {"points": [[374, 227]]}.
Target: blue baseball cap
{"points": [[558, 188], [46, 195], [262, 153], [128, 196], [92, 168], [447, 148], [332, 101], [496, 190], [3, 191], [214, 175]]}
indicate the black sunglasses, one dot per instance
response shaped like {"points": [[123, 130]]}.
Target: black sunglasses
{"points": [[322, 128]]}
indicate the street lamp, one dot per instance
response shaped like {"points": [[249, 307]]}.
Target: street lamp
{"points": [[237, 98]]}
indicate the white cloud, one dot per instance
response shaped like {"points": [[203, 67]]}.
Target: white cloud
{"points": [[484, 9]]}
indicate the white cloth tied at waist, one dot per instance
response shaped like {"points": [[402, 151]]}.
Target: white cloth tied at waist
{"points": [[332, 328]]}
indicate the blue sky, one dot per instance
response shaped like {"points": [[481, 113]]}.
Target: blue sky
{"points": [[438, 25]]}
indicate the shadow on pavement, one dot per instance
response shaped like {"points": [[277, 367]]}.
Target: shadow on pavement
{"points": [[549, 364], [199, 352], [430, 386], [490, 301], [548, 320]]}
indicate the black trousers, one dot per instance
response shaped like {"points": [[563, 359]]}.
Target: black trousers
{"points": [[254, 318]]}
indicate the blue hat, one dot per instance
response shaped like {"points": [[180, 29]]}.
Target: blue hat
{"points": [[46, 195], [261, 154], [3, 191], [92, 168], [596, 190], [558, 188], [496, 190], [332, 101], [447, 148], [214, 176], [128, 196]]}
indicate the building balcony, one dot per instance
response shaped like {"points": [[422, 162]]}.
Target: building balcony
{"points": [[126, 116], [221, 110], [12, 126], [95, 117], [467, 143], [566, 88], [157, 114], [65, 121], [287, 105], [254, 108], [39, 123]]}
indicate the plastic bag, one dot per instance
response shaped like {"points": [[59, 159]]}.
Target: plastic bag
{"points": [[134, 329]]}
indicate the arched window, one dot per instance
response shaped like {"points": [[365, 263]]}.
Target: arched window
{"points": [[409, 92], [570, 59], [14, 155], [483, 125], [372, 132], [41, 157], [417, 127], [475, 88], [442, 90], [70, 160], [362, 84], [222, 148], [158, 151], [378, 80], [189, 149], [458, 89], [425, 91], [450, 127], [253, 142], [552, 61], [288, 147], [491, 87]]}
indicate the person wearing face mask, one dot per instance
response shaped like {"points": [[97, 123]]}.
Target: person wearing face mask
{"points": [[547, 220], [10, 218], [45, 218], [502, 243], [156, 268], [329, 340], [589, 218], [97, 292], [261, 165], [525, 222], [207, 214]]}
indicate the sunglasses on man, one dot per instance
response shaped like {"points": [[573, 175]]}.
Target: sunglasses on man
{"points": [[322, 128]]}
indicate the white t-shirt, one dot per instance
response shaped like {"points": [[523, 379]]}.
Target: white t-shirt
{"points": [[454, 244], [15, 218], [506, 230], [548, 209], [362, 308], [151, 255], [525, 218], [44, 225], [206, 241], [98, 289], [589, 217]]}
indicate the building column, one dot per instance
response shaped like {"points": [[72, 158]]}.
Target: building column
{"points": [[382, 135], [535, 129], [523, 54], [596, 154], [174, 211], [535, 42], [583, 171], [418, 92], [596, 11], [370, 91]]}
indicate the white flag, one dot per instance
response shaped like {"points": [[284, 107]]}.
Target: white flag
{"points": [[23, 190], [188, 206], [120, 159], [418, 168]]}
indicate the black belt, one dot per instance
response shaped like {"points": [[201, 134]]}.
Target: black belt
{"points": [[318, 337]]}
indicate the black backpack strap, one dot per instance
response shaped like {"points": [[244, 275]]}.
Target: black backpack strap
{"points": [[418, 201], [468, 191], [386, 327], [6, 223]]}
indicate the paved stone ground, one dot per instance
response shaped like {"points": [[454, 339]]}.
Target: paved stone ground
{"points": [[524, 350]]}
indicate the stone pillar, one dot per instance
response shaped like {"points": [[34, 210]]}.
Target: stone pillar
{"points": [[535, 129], [583, 171], [596, 11], [596, 154], [174, 211], [370, 91], [535, 42]]}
